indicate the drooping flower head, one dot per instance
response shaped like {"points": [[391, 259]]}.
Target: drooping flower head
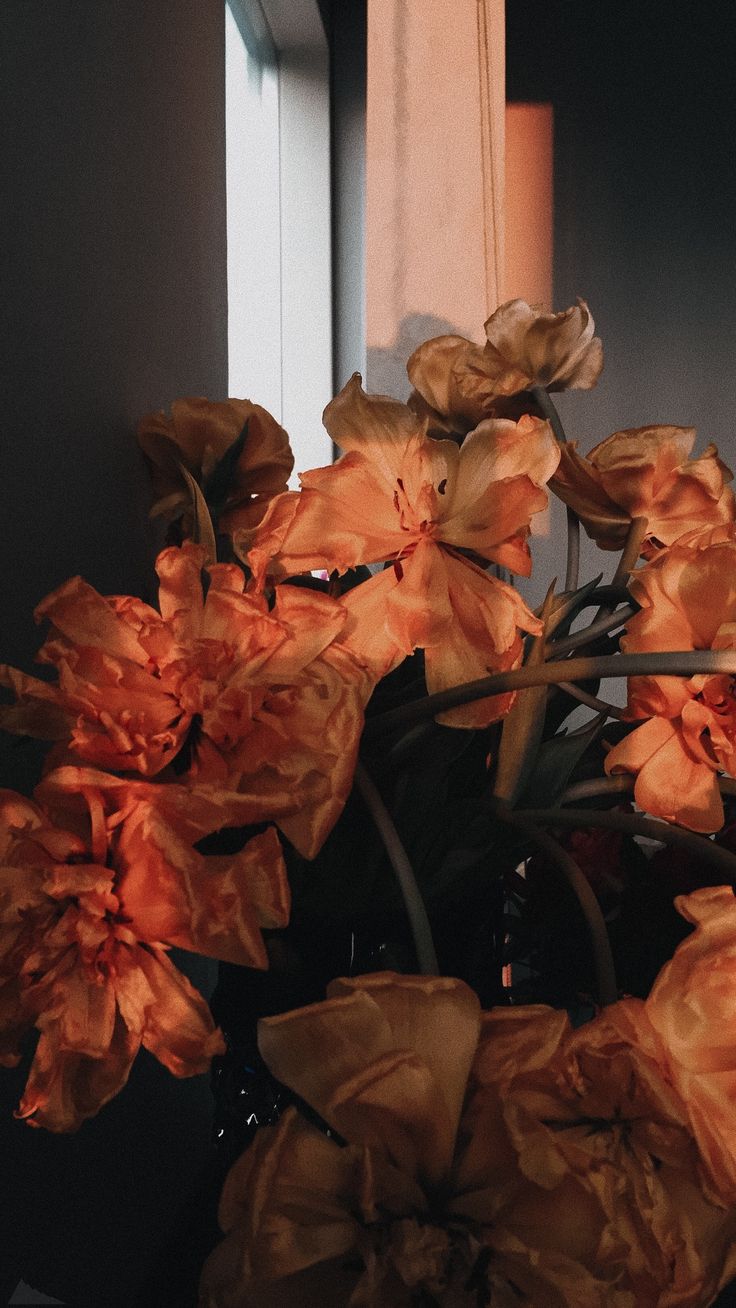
{"points": [[384, 1061], [480, 1160], [198, 435], [645, 472], [692, 1009], [688, 599], [214, 688], [97, 879], [458, 384], [423, 506], [587, 1149]]}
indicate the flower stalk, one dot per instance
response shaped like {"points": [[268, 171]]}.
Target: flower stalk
{"points": [[605, 970], [687, 663], [415, 910], [572, 569]]}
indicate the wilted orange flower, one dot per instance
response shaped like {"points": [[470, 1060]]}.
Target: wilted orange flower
{"points": [[543, 1166], [688, 599], [198, 435], [417, 503], [385, 1062], [458, 384], [97, 880], [595, 1170], [215, 687], [692, 1008], [645, 472]]}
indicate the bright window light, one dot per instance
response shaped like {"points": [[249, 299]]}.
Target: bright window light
{"points": [[277, 122], [253, 211]]}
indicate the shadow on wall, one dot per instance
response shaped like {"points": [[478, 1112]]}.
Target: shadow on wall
{"points": [[386, 366]]}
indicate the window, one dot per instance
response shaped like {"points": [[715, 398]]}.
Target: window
{"points": [[278, 223]]}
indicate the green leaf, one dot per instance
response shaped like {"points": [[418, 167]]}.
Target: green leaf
{"points": [[203, 533], [523, 726], [217, 486], [567, 606], [555, 762]]}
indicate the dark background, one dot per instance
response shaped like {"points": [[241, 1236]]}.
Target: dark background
{"points": [[644, 209], [114, 303]]}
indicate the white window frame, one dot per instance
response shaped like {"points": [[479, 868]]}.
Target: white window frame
{"points": [[306, 223]]}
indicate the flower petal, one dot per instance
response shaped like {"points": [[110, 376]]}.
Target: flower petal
{"points": [[670, 783]]}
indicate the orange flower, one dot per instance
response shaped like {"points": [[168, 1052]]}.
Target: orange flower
{"points": [[688, 600], [692, 1008], [385, 1063], [458, 384], [96, 882], [257, 702], [400, 497], [588, 1148], [645, 472], [198, 435], [543, 1166]]}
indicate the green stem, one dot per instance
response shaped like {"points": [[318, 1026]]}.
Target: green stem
{"points": [[634, 825], [608, 621], [670, 663], [572, 569], [549, 409], [605, 971], [621, 785], [592, 701], [630, 552], [416, 912]]}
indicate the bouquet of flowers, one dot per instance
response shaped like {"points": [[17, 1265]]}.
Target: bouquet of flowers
{"points": [[338, 755]]}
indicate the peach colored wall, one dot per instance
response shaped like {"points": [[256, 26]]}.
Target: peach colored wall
{"points": [[434, 175], [529, 198]]}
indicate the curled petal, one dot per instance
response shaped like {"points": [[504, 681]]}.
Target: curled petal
{"points": [[198, 435], [447, 371], [645, 472], [558, 350], [514, 1041], [691, 1009], [372, 424], [343, 516], [86, 618], [483, 638], [670, 783], [435, 1017], [212, 905], [179, 1030], [66, 1087], [315, 1050], [371, 1062]]}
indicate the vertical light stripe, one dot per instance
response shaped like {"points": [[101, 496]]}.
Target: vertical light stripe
{"points": [[434, 175]]}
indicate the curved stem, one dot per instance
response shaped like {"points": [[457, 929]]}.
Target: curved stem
{"points": [[605, 971], [623, 784], [572, 569], [608, 621], [634, 825], [408, 743], [549, 409], [620, 785], [592, 701], [572, 566], [630, 552], [685, 663], [397, 856]]}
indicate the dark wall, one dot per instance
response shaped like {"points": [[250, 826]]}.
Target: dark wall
{"points": [[645, 186], [348, 66], [114, 280], [113, 303]]}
